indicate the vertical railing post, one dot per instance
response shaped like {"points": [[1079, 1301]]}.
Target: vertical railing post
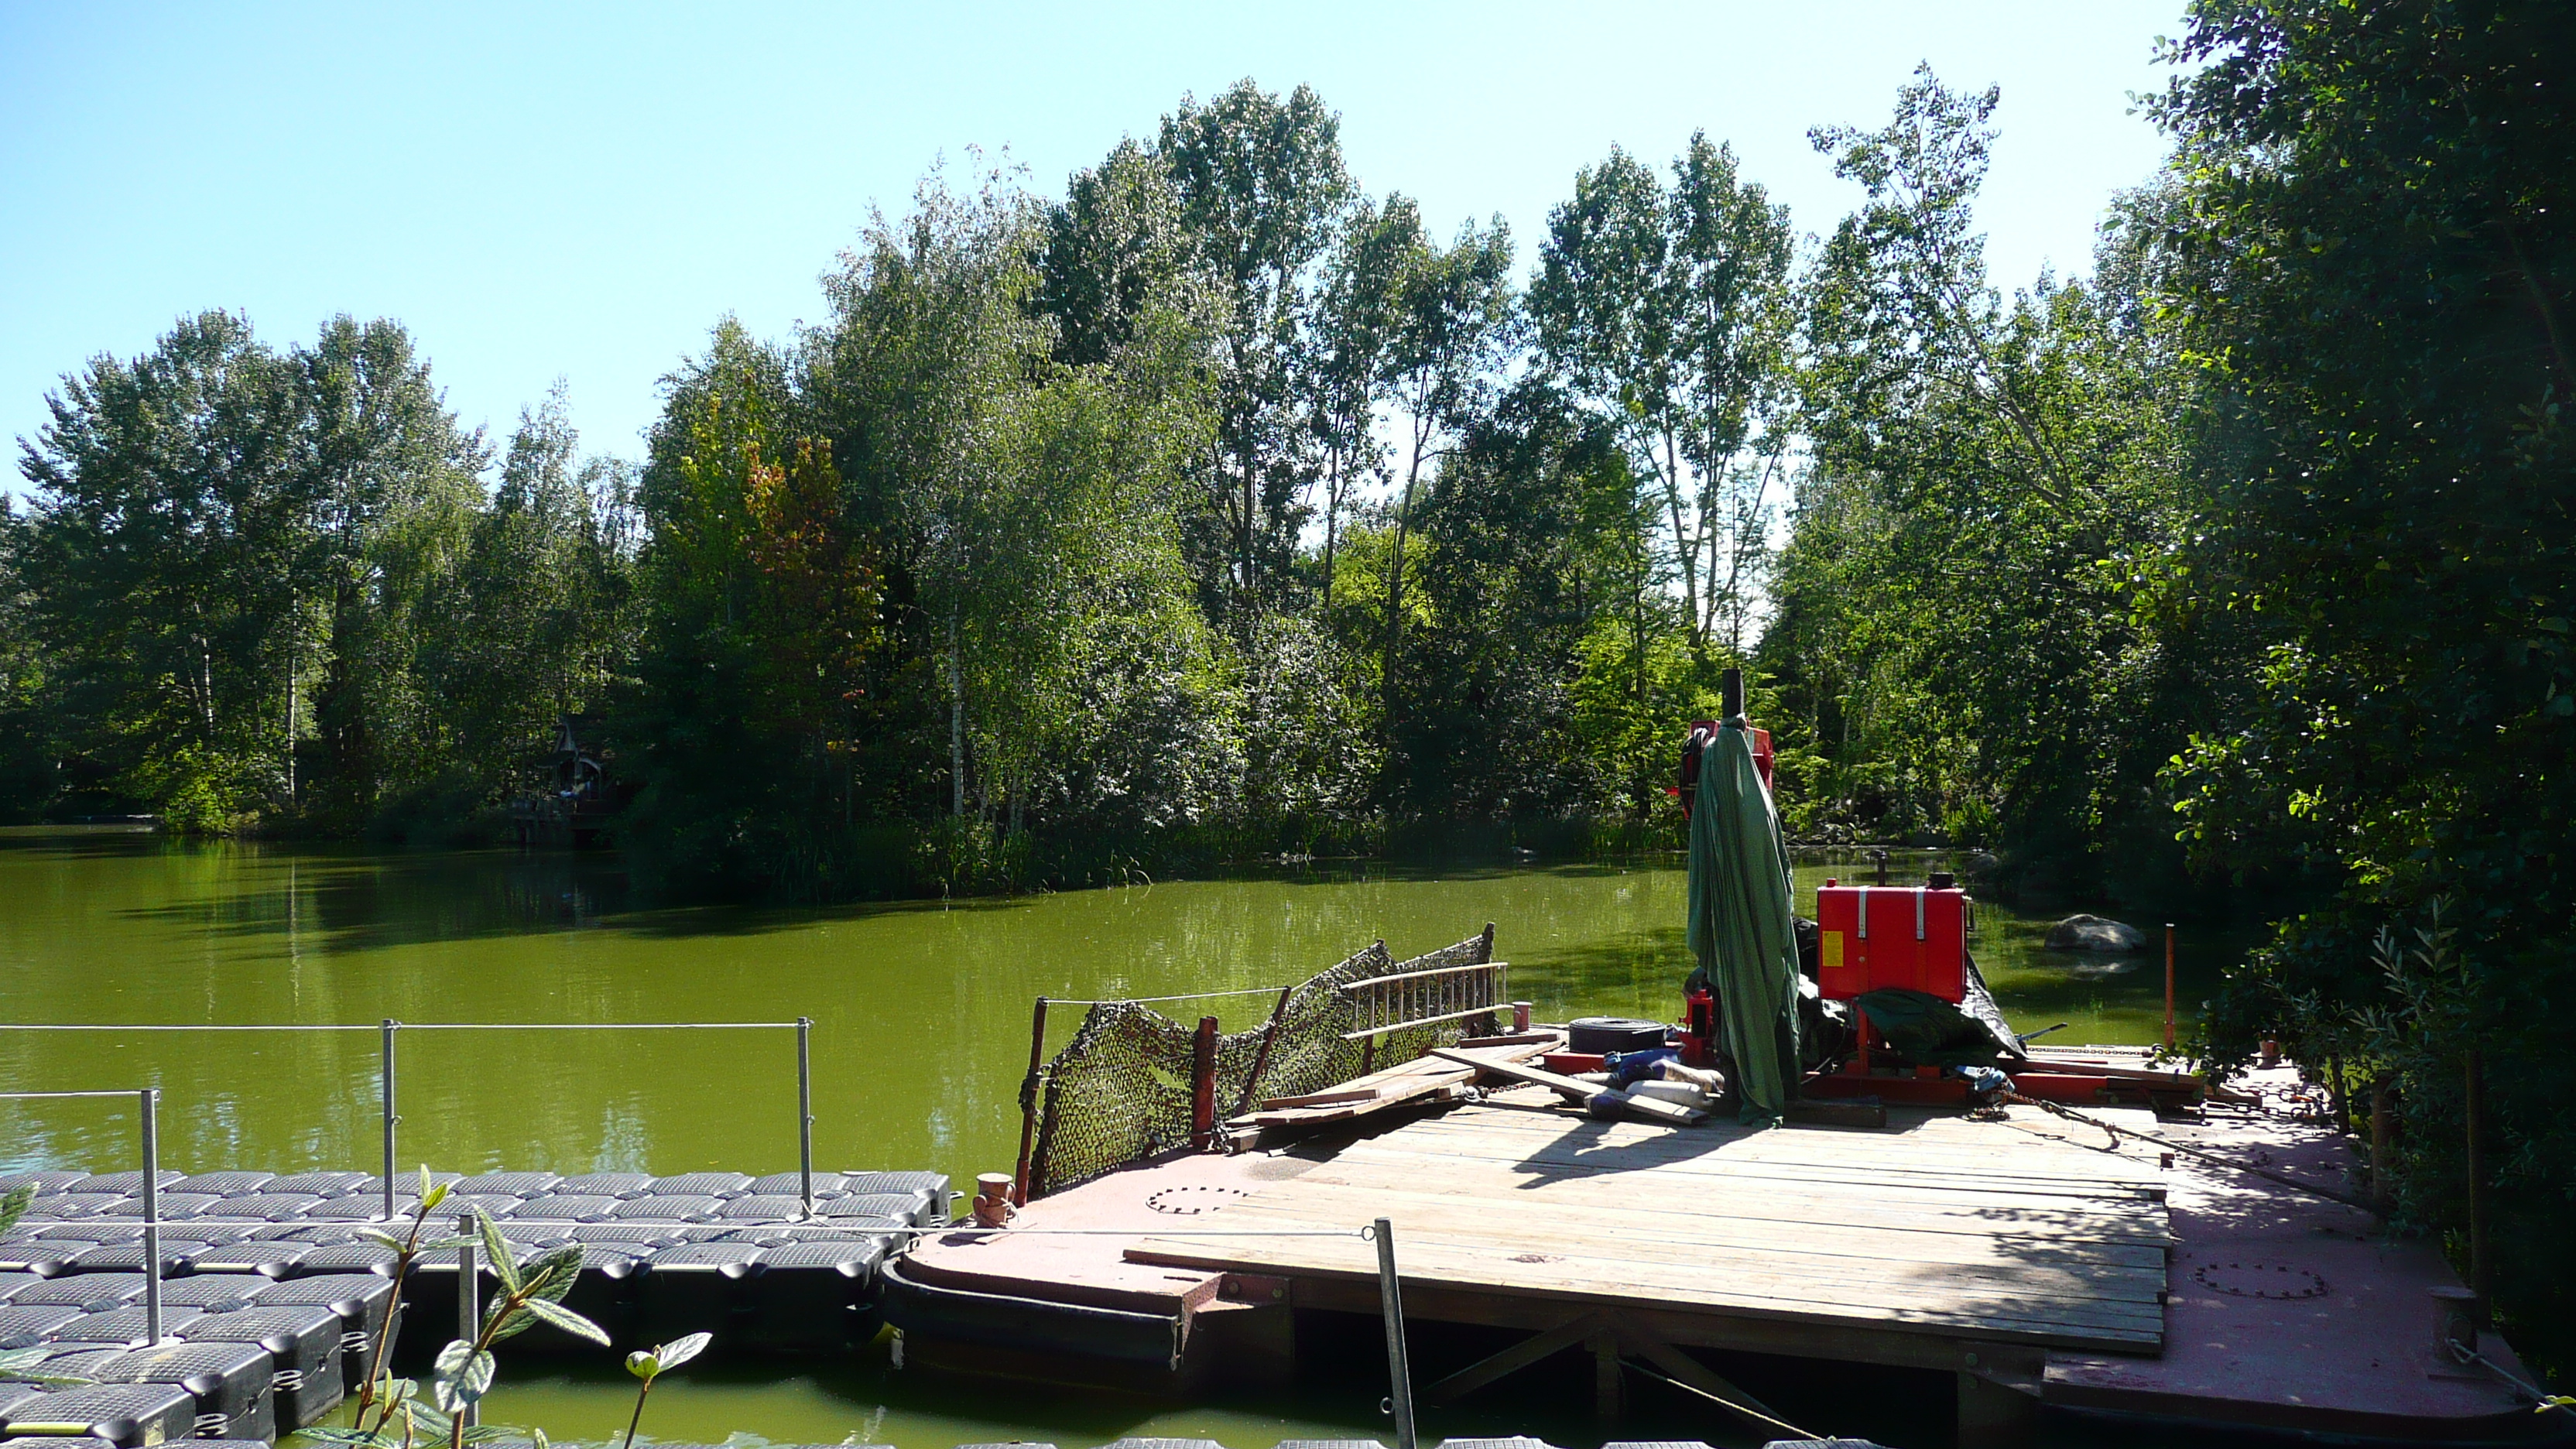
{"points": [[385, 1079], [469, 1314], [150, 1102], [805, 1110], [1203, 1085], [1029, 1104], [1391, 1304]]}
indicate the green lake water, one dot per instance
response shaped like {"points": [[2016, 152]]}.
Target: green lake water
{"points": [[920, 1038]]}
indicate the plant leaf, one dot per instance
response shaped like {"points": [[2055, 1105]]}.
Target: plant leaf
{"points": [[14, 1206], [464, 1375], [431, 1193], [505, 1265], [422, 1416], [489, 1434], [506, 1318], [567, 1320], [680, 1350], [354, 1438], [26, 1366], [552, 1276], [381, 1238], [643, 1365]]}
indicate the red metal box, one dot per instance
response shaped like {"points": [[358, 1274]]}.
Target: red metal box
{"points": [[1876, 936]]}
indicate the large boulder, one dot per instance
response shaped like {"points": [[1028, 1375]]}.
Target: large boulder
{"points": [[2095, 933]]}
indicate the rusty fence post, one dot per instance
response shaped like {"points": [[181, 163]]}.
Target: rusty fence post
{"points": [[2169, 984], [1029, 1104], [1203, 1085]]}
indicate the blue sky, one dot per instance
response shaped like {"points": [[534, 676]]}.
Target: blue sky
{"points": [[581, 191]]}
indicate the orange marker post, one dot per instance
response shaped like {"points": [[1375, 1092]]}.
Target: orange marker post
{"points": [[2169, 954]]}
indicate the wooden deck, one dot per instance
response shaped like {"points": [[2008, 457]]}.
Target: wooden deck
{"points": [[1936, 1227]]}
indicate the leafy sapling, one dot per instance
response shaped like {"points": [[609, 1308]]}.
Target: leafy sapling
{"points": [[650, 1366]]}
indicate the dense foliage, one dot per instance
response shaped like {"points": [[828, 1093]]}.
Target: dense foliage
{"points": [[2373, 258]]}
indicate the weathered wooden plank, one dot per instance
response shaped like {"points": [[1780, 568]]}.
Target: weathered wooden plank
{"points": [[1840, 1149], [1672, 1112], [1936, 1240], [1559, 1161], [1767, 1200], [1589, 1279], [1859, 1262], [2001, 1146], [1609, 1281]]}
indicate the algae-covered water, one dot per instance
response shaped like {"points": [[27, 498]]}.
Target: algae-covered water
{"points": [[921, 1034]]}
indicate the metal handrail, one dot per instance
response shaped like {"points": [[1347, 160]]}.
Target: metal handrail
{"points": [[148, 1099], [803, 1026]]}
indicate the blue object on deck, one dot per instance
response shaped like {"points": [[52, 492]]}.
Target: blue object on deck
{"points": [[1626, 1068]]}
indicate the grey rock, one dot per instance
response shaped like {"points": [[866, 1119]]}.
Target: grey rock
{"points": [[2095, 933]]}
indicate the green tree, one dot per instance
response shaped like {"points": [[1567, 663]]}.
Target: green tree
{"points": [[1664, 312], [170, 525], [2373, 256], [1451, 315], [1963, 635], [1262, 194]]}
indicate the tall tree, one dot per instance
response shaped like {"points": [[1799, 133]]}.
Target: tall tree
{"points": [[1664, 311], [1348, 379], [1451, 311], [1961, 628], [1262, 192]]}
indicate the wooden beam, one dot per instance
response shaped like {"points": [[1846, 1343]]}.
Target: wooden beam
{"points": [[1645, 1344], [1515, 1358], [1668, 1112]]}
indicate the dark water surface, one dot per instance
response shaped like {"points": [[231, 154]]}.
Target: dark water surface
{"points": [[921, 1022]]}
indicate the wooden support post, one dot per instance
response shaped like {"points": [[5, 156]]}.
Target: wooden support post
{"points": [[1992, 1416], [1730, 693], [1203, 1085], [1029, 1104], [2169, 984], [1606, 1385]]}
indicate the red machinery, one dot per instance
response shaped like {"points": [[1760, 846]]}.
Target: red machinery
{"points": [[1915, 937]]}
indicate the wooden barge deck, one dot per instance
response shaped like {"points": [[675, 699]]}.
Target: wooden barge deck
{"points": [[2021, 1253]]}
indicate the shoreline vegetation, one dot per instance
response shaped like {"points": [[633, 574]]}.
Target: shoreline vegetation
{"points": [[1212, 507]]}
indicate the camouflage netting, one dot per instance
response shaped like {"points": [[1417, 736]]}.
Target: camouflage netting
{"points": [[1119, 1092]]}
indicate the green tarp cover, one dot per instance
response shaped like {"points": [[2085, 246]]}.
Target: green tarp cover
{"points": [[1741, 925]]}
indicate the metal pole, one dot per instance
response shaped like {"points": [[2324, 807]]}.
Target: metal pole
{"points": [[151, 1102], [805, 1109], [1391, 1303], [469, 1314], [385, 1078]]}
